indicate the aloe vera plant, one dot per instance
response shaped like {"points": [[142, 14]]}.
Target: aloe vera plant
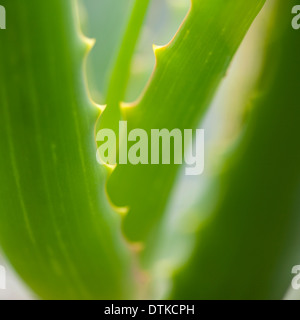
{"points": [[256, 228], [74, 229]]}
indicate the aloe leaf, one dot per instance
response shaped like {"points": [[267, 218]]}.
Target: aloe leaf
{"points": [[56, 226], [249, 243], [188, 71], [121, 71], [104, 21]]}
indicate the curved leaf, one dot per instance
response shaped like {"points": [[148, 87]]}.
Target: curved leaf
{"points": [[188, 72], [56, 226], [246, 248]]}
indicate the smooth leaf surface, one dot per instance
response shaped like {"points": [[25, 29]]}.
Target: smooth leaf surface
{"points": [[56, 226], [249, 243], [188, 72]]}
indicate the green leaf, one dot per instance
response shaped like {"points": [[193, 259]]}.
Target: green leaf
{"points": [[249, 243], [188, 72], [104, 21], [121, 72], [56, 226]]}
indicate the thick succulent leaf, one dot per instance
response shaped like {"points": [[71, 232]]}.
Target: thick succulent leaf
{"points": [[249, 243], [188, 71], [56, 226]]}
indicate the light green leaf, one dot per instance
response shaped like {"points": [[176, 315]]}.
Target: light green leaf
{"points": [[104, 21], [247, 247], [188, 72]]}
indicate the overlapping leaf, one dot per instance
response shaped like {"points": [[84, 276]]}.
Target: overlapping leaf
{"points": [[188, 71], [249, 243]]}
